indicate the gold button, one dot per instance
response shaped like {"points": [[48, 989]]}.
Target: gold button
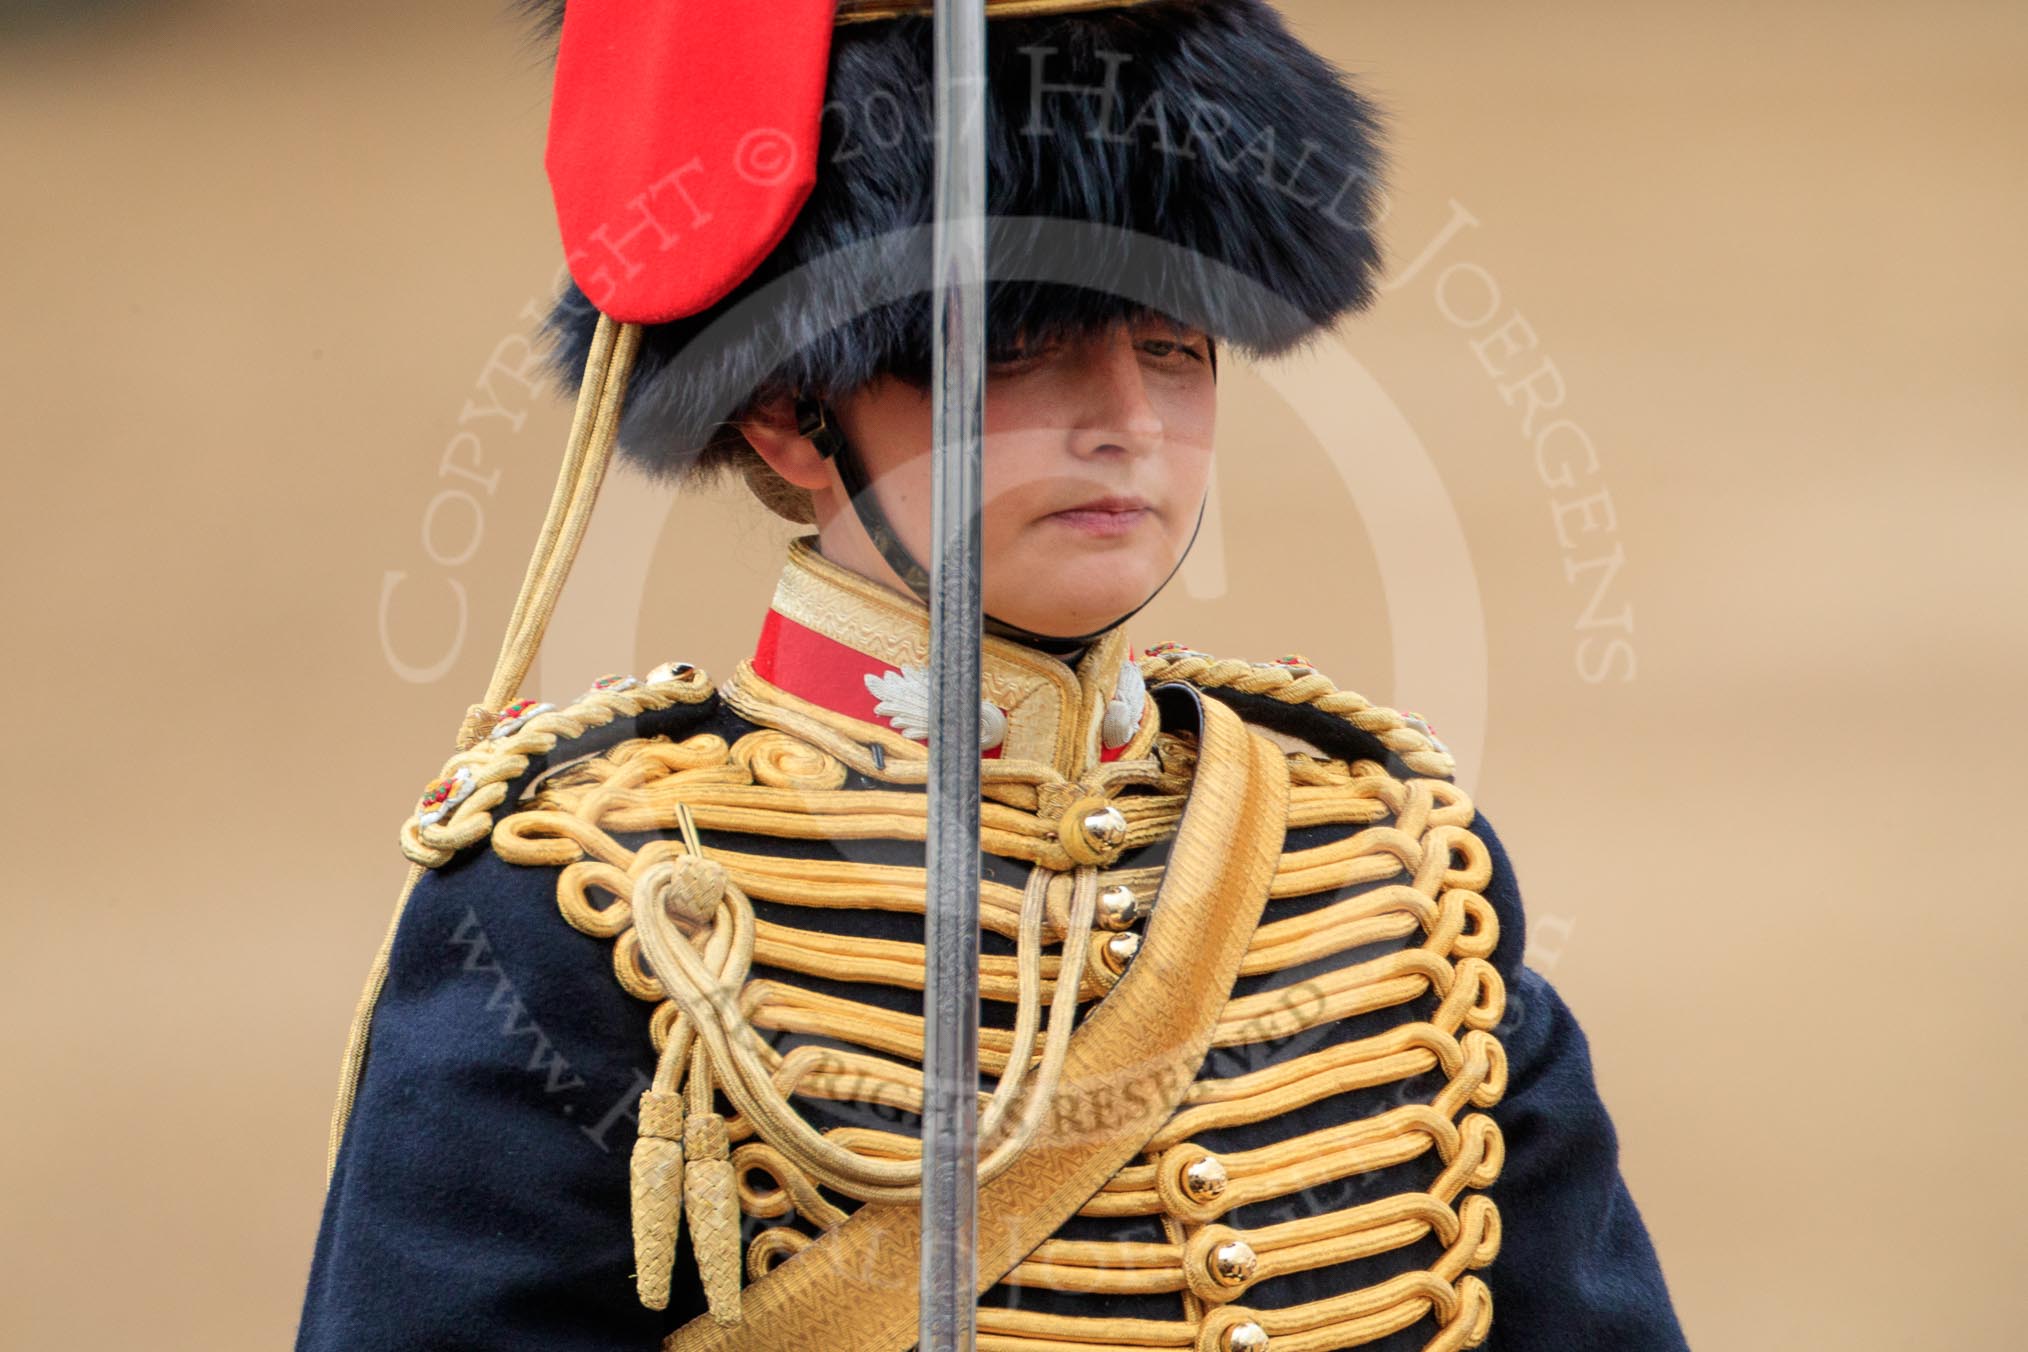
{"points": [[1106, 828], [1092, 831], [1206, 1180], [1118, 908], [1233, 1263], [1247, 1337], [1120, 950]]}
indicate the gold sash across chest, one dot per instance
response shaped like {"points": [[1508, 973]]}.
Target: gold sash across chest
{"points": [[1129, 1064]]}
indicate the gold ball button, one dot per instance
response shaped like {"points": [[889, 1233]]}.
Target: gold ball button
{"points": [[1234, 1263], [1118, 908], [1120, 950], [1106, 828], [1092, 831], [1206, 1180], [1247, 1337]]}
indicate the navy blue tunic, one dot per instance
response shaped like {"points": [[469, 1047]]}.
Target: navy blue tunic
{"points": [[480, 1198]]}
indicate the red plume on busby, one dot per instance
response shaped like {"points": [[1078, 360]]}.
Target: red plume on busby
{"points": [[754, 185]]}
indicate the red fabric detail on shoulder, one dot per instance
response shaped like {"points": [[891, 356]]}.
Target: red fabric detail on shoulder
{"points": [[683, 141]]}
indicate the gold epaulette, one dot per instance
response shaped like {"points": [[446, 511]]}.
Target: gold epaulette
{"points": [[456, 809], [1292, 680]]}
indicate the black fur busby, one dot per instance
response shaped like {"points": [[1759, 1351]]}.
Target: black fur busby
{"points": [[1189, 158]]}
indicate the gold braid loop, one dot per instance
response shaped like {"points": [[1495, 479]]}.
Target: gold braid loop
{"points": [[1302, 685]]}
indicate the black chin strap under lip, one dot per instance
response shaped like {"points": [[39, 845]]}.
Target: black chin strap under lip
{"points": [[814, 420]]}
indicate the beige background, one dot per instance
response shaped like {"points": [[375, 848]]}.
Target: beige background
{"points": [[256, 257]]}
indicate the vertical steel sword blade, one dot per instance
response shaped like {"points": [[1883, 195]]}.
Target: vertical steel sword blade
{"points": [[951, 942]]}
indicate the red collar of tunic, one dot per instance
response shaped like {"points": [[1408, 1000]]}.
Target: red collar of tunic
{"points": [[829, 630]]}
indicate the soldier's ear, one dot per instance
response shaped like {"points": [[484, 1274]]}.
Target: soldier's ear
{"points": [[770, 428]]}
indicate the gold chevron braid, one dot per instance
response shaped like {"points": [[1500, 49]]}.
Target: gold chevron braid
{"points": [[860, 11]]}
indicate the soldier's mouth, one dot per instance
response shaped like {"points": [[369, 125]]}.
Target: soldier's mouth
{"points": [[1104, 516]]}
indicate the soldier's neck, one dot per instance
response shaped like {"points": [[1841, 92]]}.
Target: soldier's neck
{"points": [[855, 554]]}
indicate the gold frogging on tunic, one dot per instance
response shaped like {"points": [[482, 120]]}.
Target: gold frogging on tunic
{"points": [[1399, 863]]}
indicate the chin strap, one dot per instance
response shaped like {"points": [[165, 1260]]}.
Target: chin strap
{"points": [[816, 420]]}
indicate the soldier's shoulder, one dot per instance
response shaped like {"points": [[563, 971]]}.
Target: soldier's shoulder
{"points": [[531, 738], [1305, 710]]}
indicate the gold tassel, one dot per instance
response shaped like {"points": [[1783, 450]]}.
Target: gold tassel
{"points": [[714, 1213], [658, 1195]]}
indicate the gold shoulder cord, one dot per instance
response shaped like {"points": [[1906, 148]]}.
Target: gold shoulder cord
{"points": [[593, 430], [1307, 686]]}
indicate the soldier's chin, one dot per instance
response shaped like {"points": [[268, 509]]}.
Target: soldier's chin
{"points": [[1067, 595]]}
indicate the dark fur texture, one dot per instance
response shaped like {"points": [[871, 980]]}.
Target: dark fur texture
{"points": [[1232, 184]]}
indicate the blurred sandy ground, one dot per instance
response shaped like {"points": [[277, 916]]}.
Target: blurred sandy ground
{"points": [[256, 257]]}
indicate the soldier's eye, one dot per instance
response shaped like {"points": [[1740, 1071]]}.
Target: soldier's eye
{"points": [[1166, 348]]}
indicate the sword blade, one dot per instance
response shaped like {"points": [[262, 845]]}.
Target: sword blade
{"points": [[951, 989]]}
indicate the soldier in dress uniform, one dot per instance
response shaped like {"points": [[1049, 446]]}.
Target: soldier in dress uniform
{"points": [[640, 1063]]}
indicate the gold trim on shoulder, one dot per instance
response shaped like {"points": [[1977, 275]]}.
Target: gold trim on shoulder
{"points": [[1406, 735]]}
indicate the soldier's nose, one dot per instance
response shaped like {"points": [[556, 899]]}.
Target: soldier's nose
{"points": [[1121, 416]]}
